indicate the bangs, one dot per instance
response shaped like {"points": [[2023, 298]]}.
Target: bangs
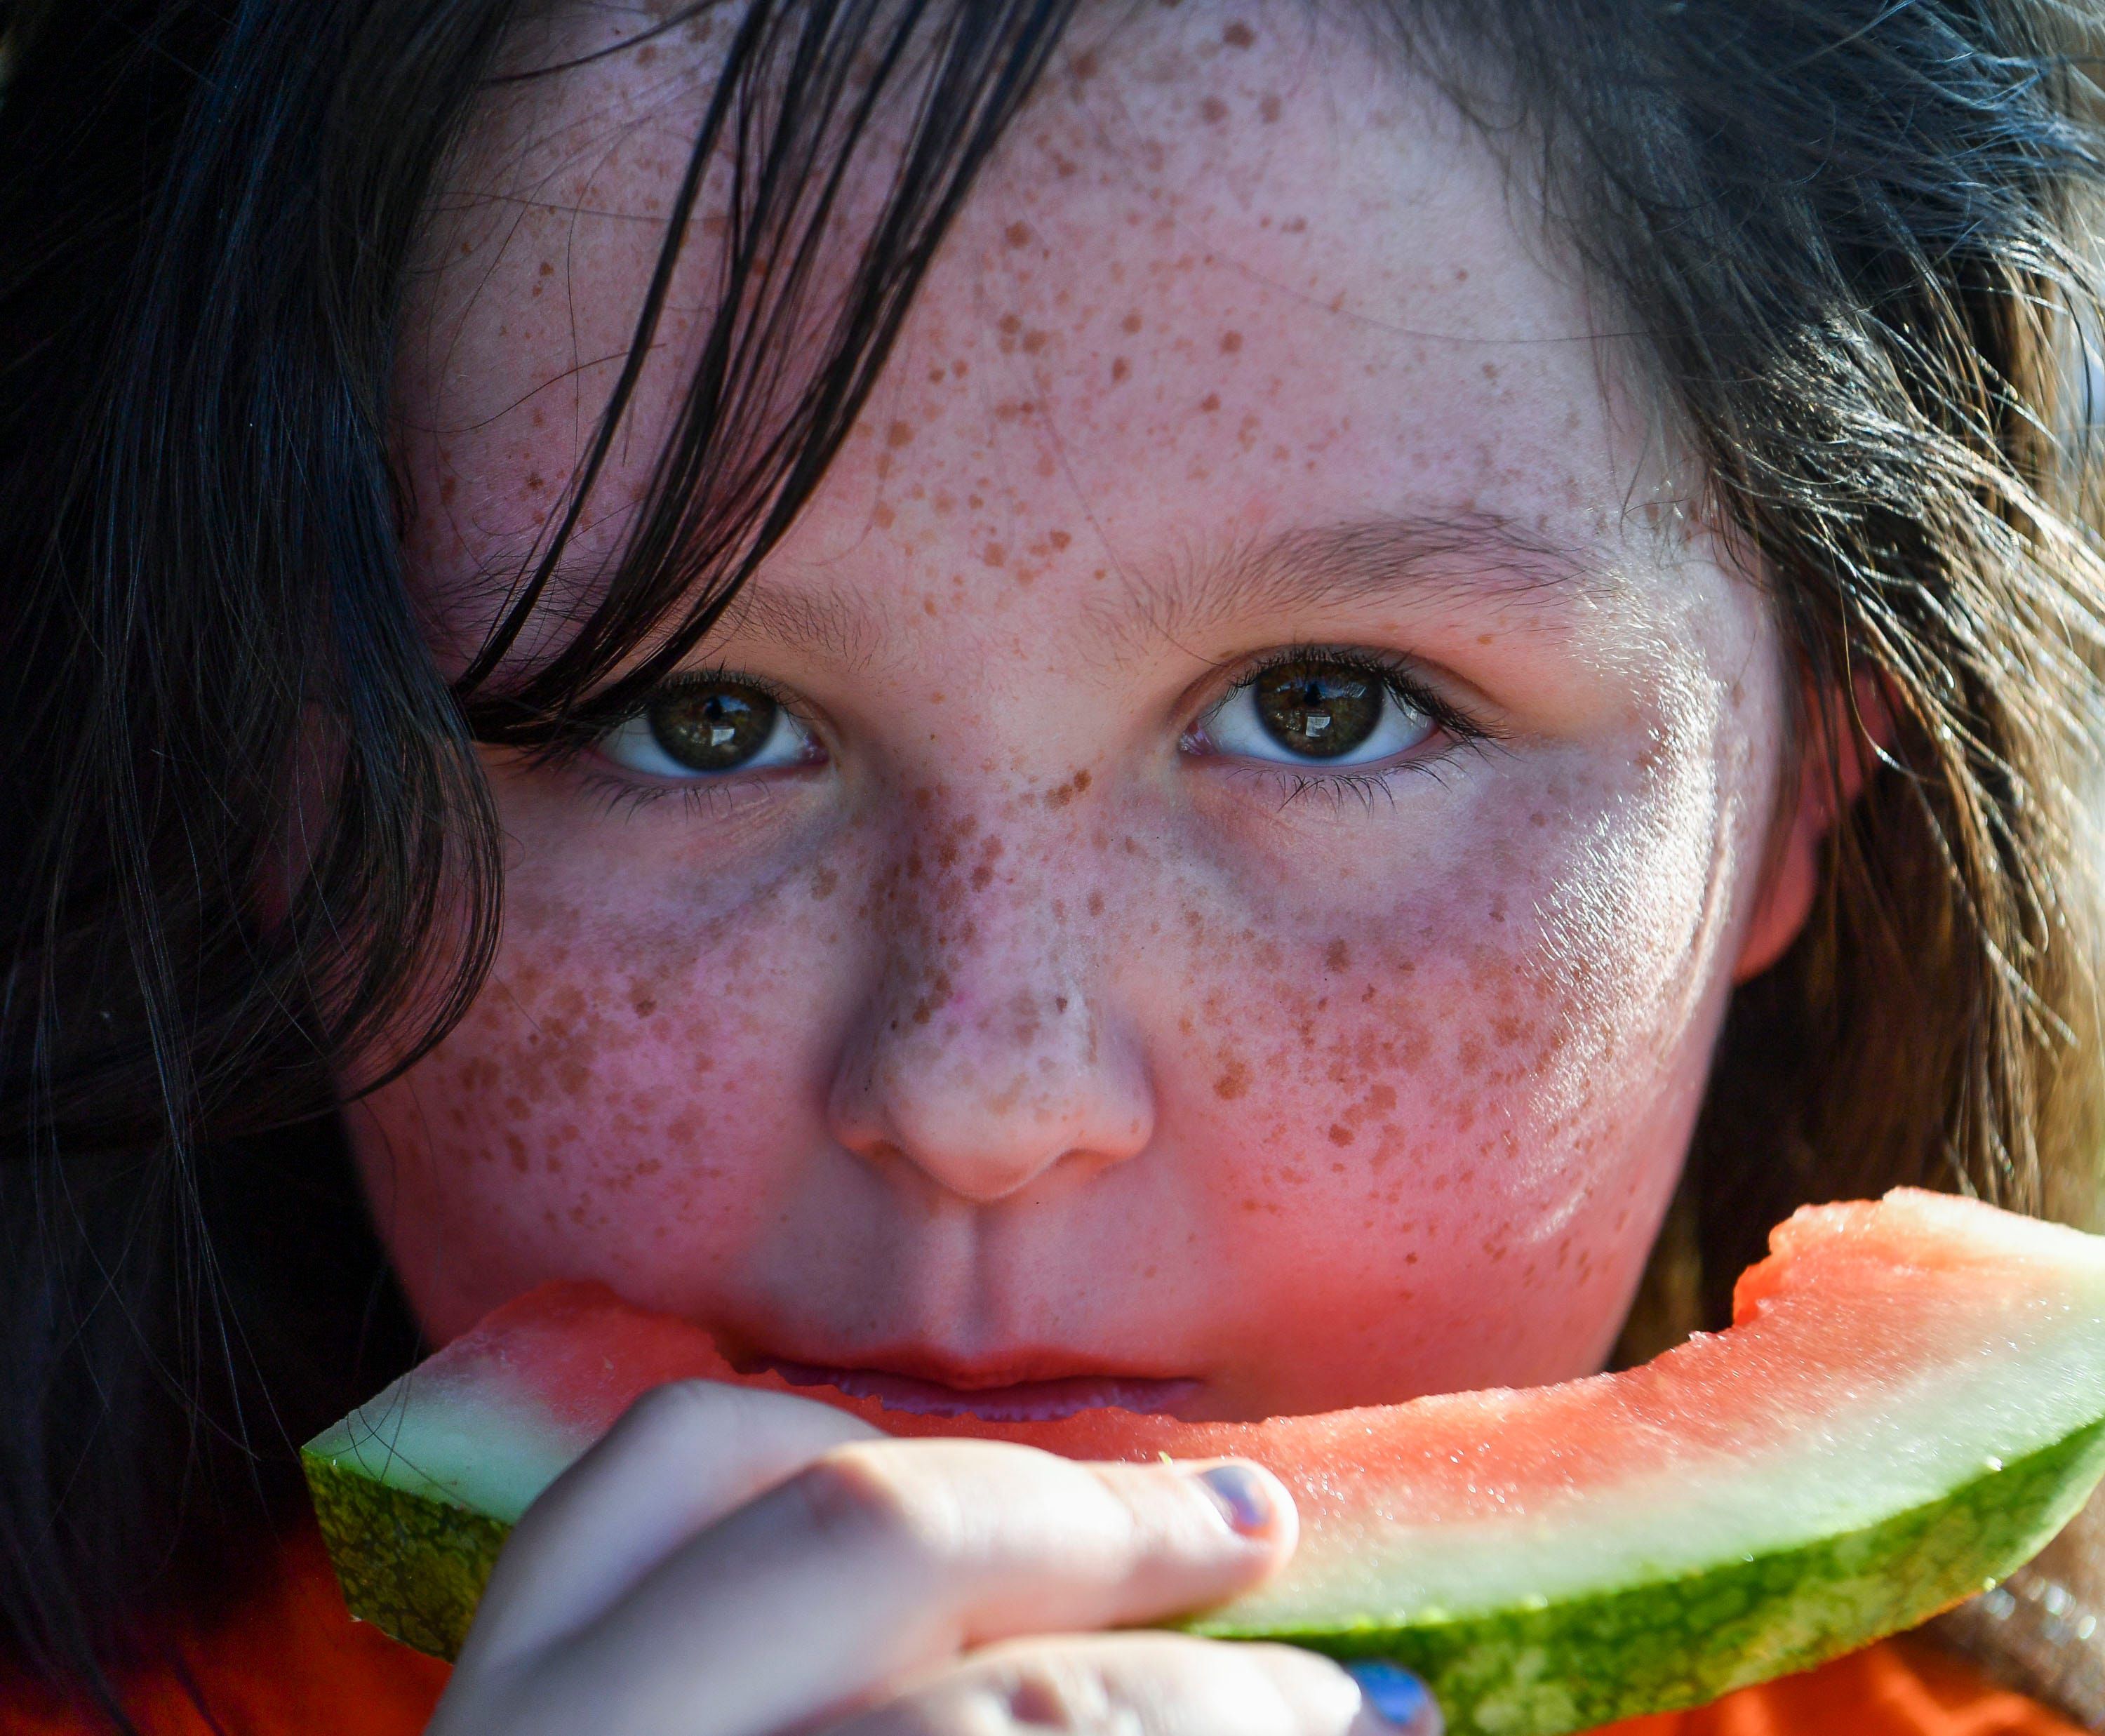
{"points": [[810, 108]]}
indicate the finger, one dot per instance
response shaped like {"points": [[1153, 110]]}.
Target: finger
{"points": [[890, 1556], [680, 1458], [1138, 1684]]}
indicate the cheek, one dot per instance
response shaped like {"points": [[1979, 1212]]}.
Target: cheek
{"points": [[1472, 1087], [601, 1109]]}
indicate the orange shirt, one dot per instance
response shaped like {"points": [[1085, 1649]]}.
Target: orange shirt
{"points": [[293, 1663]]}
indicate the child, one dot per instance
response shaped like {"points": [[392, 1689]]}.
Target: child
{"points": [[1188, 706]]}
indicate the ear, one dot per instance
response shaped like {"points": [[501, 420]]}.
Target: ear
{"points": [[1847, 733]]}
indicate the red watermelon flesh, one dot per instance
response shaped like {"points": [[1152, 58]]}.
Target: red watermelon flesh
{"points": [[1908, 1401]]}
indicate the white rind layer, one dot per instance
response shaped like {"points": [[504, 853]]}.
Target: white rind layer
{"points": [[2014, 1373], [452, 1440], [1678, 1515]]}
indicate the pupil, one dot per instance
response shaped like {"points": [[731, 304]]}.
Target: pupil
{"points": [[713, 728], [1320, 709]]}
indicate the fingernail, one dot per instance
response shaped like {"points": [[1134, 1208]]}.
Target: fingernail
{"points": [[1397, 1697], [1241, 1493]]}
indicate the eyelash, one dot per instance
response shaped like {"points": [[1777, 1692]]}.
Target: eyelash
{"points": [[1405, 686], [702, 797], [714, 797]]}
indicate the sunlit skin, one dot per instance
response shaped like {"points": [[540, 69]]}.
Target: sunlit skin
{"points": [[1029, 1010], [1024, 1029]]}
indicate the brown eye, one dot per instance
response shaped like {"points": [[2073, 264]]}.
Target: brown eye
{"points": [[709, 727], [1320, 709], [713, 728], [1316, 710]]}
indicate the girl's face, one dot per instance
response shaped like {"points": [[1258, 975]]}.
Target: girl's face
{"points": [[1208, 868]]}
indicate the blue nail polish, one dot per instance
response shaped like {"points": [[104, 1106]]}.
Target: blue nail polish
{"points": [[1244, 1501], [1397, 1696]]}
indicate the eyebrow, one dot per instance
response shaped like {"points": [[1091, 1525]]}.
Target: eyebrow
{"points": [[844, 627], [1304, 569], [1313, 567]]}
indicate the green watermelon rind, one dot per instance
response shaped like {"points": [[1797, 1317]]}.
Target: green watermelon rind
{"points": [[414, 1564], [1670, 1644]]}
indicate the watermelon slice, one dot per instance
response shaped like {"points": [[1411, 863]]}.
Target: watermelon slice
{"points": [[1909, 1401]]}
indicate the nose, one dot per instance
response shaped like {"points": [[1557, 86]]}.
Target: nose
{"points": [[988, 1053]]}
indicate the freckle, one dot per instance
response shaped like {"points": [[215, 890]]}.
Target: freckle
{"points": [[1083, 65], [547, 268], [646, 1007], [646, 54], [1212, 109], [1230, 341], [899, 433], [1537, 819], [1461, 274], [959, 370], [1337, 955], [1120, 368], [1096, 904], [1034, 341], [1267, 107], [1233, 1083], [929, 606], [1130, 323], [1008, 325], [1341, 1134], [1238, 35], [1210, 402], [533, 481], [994, 554], [1017, 235]]}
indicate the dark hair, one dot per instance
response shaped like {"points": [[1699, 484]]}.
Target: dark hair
{"points": [[251, 849]]}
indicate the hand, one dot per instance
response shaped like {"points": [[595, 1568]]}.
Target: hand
{"points": [[732, 1562]]}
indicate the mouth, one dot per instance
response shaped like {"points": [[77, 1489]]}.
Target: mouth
{"points": [[995, 1400]]}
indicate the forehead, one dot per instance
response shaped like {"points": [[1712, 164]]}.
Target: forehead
{"points": [[1233, 273]]}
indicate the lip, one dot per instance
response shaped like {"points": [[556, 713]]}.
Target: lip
{"points": [[998, 1397]]}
